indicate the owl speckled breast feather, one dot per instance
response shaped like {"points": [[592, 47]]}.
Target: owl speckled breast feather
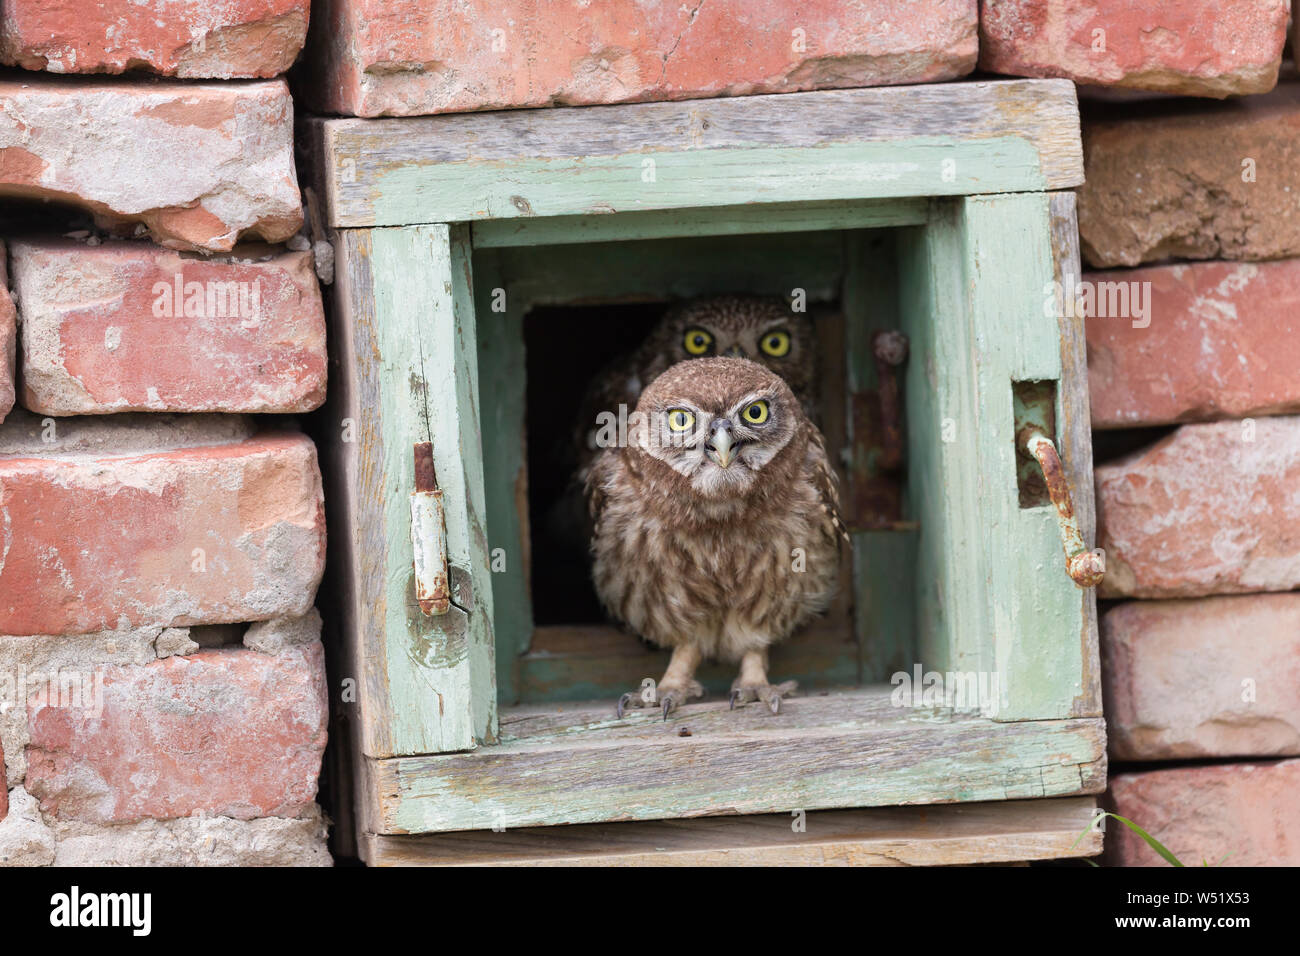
{"points": [[717, 531]]}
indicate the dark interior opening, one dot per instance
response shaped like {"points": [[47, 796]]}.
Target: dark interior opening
{"points": [[554, 639], [565, 347]]}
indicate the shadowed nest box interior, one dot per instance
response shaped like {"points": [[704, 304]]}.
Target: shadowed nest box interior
{"points": [[597, 301], [490, 264]]}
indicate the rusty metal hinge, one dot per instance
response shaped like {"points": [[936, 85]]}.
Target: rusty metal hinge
{"points": [[889, 349], [429, 536], [1084, 567], [876, 456]]}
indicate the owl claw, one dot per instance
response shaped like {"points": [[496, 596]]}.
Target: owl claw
{"points": [[667, 699], [670, 700], [769, 694]]}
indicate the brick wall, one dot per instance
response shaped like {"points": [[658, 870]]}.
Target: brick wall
{"points": [[162, 680], [161, 326], [1193, 200]]}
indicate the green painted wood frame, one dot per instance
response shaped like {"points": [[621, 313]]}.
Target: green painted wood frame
{"points": [[427, 215]]}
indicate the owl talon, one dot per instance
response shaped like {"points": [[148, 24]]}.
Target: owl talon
{"points": [[666, 698], [769, 694], [672, 698]]}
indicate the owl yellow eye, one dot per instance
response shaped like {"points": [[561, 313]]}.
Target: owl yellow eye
{"points": [[697, 342], [775, 344], [679, 419], [756, 413]]}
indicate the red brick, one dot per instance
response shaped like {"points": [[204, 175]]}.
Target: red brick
{"points": [[1214, 677], [380, 57], [1211, 509], [1193, 47], [193, 535], [1171, 180], [104, 330], [227, 732], [1234, 814], [195, 39], [8, 340], [199, 164], [1223, 341]]}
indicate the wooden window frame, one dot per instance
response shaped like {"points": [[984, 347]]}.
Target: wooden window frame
{"points": [[973, 174]]}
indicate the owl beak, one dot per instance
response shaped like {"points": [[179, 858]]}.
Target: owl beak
{"points": [[720, 445], [734, 352]]}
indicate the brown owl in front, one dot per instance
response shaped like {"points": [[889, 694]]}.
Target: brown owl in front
{"points": [[716, 526]]}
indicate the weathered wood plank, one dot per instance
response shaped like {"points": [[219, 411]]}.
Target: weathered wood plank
{"points": [[406, 329], [344, 640], [884, 562], [585, 663], [999, 136], [951, 835], [715, 221], [1074, 432], [848, 749], [942, 461], [502, 384], [995, 598], [655, 270], [1035, 611], [831, 403]]}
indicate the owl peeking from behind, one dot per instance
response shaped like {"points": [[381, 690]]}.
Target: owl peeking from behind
{"points": [[716, 526]]}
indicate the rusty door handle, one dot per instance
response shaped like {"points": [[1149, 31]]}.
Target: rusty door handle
{"points": [[1084, 567]]}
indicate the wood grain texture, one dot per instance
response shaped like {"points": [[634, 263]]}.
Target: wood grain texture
{"points": [[1036, 612], [502, 392], [1074, 433], [406, 330], [940, 400], [952, 835], [998, 136], [586, 663], [658, 271], [852, 748], [884, 562], [712, 221], [996, 597]]}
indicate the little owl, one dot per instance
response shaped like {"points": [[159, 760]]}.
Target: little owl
{"points": [[716, 526], [737, 326]]}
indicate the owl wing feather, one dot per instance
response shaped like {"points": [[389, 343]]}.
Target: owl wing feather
{"points": [[593, 488], [824, 481], [602, 475]]}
